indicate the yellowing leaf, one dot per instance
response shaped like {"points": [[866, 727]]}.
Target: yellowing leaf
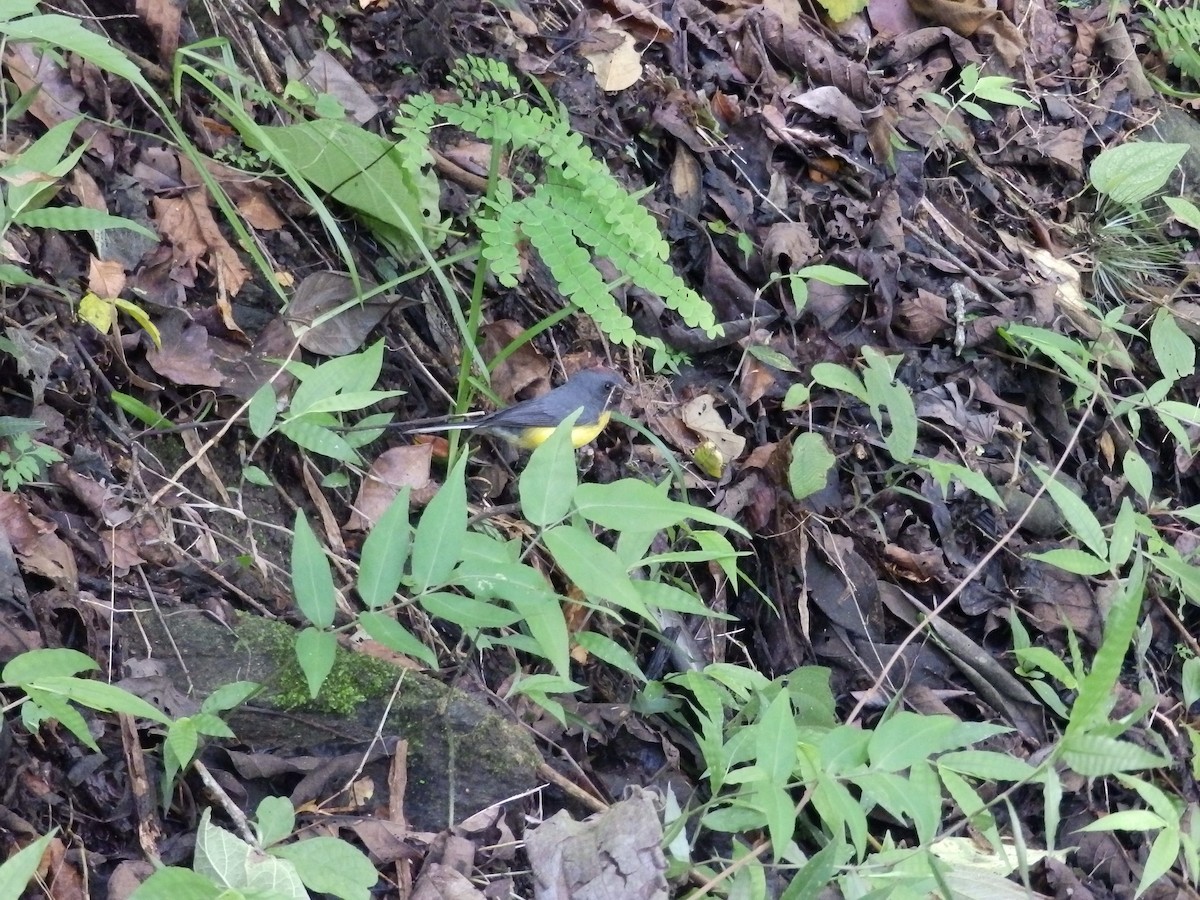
{"points": [[138, 315], [97, 312], [841, 10]]}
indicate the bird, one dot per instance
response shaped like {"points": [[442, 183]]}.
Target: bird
{"points": [[529, 423]]}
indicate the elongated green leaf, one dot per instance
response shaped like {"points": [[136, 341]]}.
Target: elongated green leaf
{"points": [[467, 612], [79, 218], [34, 664], [438, 541], [593, 568], [316, 651], [69, 33], [1096, 756], [1083, 522], [987, 765], [829, 275], [1096, 691], [395, 636], [1174, 351], [312, 580], [1079, 562], [18, 869], [547, 486], [384, 554], [908, 737], [319, 438], [640, 506], [96, 695], [610, 651]]}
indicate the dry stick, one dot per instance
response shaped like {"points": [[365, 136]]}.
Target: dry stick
{"points": [[761, 847]]}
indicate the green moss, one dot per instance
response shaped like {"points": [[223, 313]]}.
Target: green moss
{"points": [[353, 679]]}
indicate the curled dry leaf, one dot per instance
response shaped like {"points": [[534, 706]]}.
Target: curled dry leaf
{"points": [[392, 470]]}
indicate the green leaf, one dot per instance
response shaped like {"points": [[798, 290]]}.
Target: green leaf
{"points": [[630, 504], [349, 401], [1096, 691], [69, 33], [312, 580], [1191, 681], [329, 865], [18, 869], [1137, 473], [1127, 820], [772, 358], [547, 486], [987, 765], [181, 884], [907, 738], [942, 472], [311, 433], [438, 542], [595, 569], [96, 695], [839, 378], [256, 476], [230, 695], [811, 462], [35, 664], [467, 612], [1044, 659], [542, 614], [826, 274], [261, 414], [394, 636], [797, 396], [1124, 532], [316, 651], [384, 553], [1163, 853], [140, 410], [1082, 521], [363, 171], [610, 651], [1174, 351], [275, 819], [1185, 211], [1130, 173], [776, 738], [667, 596], [1079, 562], [1096, 756], [80, 218], [182, 741]]}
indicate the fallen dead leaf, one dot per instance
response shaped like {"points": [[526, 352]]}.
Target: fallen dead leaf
{"points": [[701, 416], [407, 466]]}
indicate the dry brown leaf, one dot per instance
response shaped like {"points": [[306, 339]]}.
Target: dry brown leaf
{"points": [[162, 17], [37, 547], [106, 278], [971, 17], [407, 466], [618, 68], [701, 416]]}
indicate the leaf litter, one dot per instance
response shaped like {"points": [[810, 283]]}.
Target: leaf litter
{"points": [[770, 142]]}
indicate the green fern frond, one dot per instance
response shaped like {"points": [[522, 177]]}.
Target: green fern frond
{"points": [[641, 257], [579, 209], [553, 236], [1176, 33]]}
